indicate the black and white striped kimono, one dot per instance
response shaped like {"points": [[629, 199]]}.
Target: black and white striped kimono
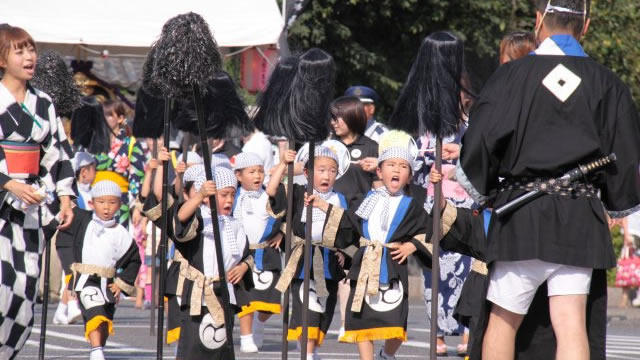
{"points": [[203, 333], [33, 150]]}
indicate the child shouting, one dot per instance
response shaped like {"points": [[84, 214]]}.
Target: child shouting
{"points": [[330, 229], [203, 333]]}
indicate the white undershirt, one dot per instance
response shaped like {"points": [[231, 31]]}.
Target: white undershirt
{"points": [[375, 225], [229, 259], [253, 223], [318, 226]]}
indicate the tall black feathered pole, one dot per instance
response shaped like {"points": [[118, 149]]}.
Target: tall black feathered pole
{"points": [[150, 112], [273, 107], [430, 103], [187, 61], [53, 77], [300, 112]]}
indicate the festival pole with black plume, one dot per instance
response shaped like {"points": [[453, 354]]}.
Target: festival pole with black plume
{"points": [[149, 112], [430, 103], [53, 77], [302, 115], [272, 107], [187, 60]]}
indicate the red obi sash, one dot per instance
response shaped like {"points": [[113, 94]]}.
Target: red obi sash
{"points": [[23, 159]]}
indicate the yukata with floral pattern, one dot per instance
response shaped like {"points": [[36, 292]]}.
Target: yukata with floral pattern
{"points": [[126, 158], [454, 267]]}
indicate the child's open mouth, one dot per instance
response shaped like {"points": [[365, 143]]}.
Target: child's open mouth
{"points": [[395, 179]]}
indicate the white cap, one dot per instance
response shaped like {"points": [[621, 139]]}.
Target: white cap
{"points": [[245, 160], [223, 177], [105, 188], [82, 159]]}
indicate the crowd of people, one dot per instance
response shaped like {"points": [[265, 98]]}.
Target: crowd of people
{"points": [[97, 195]]}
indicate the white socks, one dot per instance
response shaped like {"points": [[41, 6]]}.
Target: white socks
{"points": [[73, 311], [60, 317], [96, 353], [247, 345]]}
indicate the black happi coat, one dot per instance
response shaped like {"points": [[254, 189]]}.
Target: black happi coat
{"points": [[69, 244], [519, 128], [345, 235]]}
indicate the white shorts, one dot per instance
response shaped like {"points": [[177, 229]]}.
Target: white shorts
{"points": [[513, 284]]}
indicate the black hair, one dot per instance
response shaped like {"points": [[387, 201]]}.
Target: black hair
{"points": [[186, 54], [188, 185], [53, 77], [83, 167], [430, 100], [273, 105], [311, 93], [351, 110], [296, 101], [563, 20], [89, 127], [223, 108]]}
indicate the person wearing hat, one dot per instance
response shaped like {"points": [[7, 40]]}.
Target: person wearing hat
{"points": [[152, 209], [330, 230], [250, 208], [369, 97], [84, 165], [91, 251], [392, 224], [203, 333]]}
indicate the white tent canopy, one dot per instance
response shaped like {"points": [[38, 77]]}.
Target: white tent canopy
{"points": [[137, 23], [125, 29]]}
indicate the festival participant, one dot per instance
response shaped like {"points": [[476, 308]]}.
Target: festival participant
{"points": [[392, 224], [203, 333], [91, 251], [561, 238], [36, 179], [330, 229], [250, 208]]}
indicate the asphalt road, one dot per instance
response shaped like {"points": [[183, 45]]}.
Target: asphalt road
{"points": [[133, 341]]}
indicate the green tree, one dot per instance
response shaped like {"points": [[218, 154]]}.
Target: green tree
{"points": [[374, 42]]}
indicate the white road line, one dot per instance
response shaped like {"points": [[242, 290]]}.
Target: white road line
{"points": [[73, 337]]}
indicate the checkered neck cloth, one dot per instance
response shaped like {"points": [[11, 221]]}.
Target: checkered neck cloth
{"points": [[227, 230], [245, 201], [316, 214], [369, 203], [102, 224], [245, 160], [105, 188]]}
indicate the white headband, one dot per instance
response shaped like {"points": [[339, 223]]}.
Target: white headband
{"points": [[105, 188]]}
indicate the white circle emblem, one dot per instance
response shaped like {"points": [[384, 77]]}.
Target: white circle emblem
{"points": [[211, 336]]}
